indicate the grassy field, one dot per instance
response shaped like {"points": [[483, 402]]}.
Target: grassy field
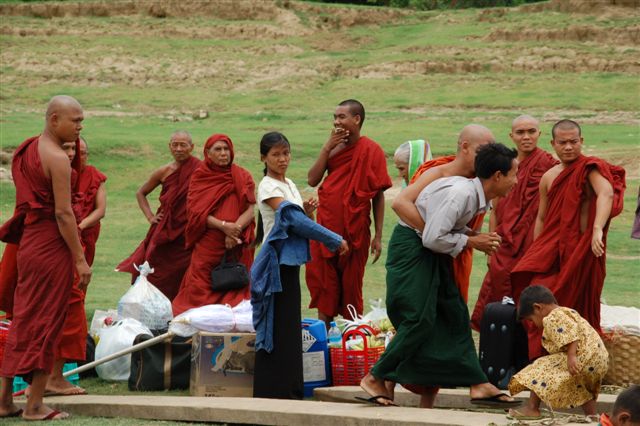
{"points": [[285, 65]]}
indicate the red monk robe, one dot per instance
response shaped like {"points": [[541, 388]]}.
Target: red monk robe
{"points": [[225, 193], [462, 263], [355, 175], [45, 267], [73, 345], [516, 217], [164, 246], [561, 257]]}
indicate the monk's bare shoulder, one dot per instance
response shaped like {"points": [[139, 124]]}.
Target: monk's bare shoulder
{"points": [[163, 172], [430, 175], [52, 157], [550, 175]]}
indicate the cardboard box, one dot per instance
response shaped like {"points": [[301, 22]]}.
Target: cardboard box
{"points": [[222, 364]]}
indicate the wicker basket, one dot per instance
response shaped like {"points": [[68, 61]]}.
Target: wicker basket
{"points": [[624, 359], [4, 333]]}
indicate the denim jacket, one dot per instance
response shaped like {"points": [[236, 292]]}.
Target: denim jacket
{"points": [[286, 244]]}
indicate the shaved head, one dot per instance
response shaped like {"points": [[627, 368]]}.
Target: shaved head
{"points": [[565, 125], [524, 118], [475, 134], [182, 134], [62, 103]]}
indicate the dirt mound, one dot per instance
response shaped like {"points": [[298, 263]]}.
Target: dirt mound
{"points": [[582, 33], [284, 14], [590, 7]]}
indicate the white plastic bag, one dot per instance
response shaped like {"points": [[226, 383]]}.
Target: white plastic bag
{"points": [[98, 321], [243, 317], [214, 319], [114, 338], [144, 302]]}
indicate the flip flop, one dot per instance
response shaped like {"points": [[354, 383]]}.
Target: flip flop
{"points": [[16, 413], [53, 415], [374, 400], [517, 415], [495, 401]]}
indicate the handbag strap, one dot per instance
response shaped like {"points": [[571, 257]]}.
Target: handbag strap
{"points": [[224, 256]]}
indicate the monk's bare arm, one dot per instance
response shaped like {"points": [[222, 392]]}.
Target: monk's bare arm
{"points": [[542, 205], [316, 172], [378, 222], [141, 195], [604, 201], [404, 203], [98, 213], [60, 171]]}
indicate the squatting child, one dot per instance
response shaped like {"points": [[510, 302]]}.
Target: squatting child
{"points": [[571, 374]]}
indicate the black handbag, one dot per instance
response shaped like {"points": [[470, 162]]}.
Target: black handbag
{"points": [[227, 276]]}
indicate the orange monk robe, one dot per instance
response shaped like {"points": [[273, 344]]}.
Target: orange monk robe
{"points": [[72, 345], [224, 192], [462, 263], [516, 216], [355, 175], [45, 269], [561, 257], [164, 246]]}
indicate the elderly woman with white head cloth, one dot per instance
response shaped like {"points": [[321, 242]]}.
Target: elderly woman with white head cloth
{"points": [[409, 156]]}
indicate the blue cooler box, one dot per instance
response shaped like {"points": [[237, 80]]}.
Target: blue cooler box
{"points": [[315, 356]]}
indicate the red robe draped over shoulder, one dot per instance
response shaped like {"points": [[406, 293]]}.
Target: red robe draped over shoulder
{"points": [[164, 246], [223, 192], [462, 263], [355, 175], [44, 264], [516, 217], [561, 257]]}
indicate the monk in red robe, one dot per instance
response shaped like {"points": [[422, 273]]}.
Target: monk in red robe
{"points": [[220, 220], [44, 227], [471, 137], [513, 216], [164, 246], [578, 198], [356, 181]]}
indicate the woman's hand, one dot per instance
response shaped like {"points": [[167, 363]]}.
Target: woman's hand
{"points": [[573, 364], [310, 206], [231, 229], [231, 242], [344, 248]]}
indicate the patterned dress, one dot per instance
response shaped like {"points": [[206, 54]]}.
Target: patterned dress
{"points": [[548, 376]]}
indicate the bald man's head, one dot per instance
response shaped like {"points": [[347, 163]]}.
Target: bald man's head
{"points": [[474, 135], [64, 118], [524, 118], [525, 131]]}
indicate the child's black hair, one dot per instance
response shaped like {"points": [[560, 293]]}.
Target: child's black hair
{"points": [[534, 294]]}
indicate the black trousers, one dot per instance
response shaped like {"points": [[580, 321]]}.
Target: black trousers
{"points": [[279, 374]]}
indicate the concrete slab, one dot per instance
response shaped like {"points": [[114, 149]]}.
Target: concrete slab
{"points": [[447, 398], [266, 411]]}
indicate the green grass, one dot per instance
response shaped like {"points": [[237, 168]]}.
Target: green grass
{"points": [[135, 75]]}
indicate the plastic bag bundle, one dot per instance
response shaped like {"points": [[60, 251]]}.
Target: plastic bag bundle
{"points": [[114, 338], [243, 317], [144, 302], [211, 318], [214, 319], [98, 321]]}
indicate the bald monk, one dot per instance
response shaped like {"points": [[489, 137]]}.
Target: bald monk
{"points": [[470, 139], [513, 216], [578, 198], [356, 180], [164, 246], [49, 249]]}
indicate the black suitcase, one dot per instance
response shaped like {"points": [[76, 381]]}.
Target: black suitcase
{"points": [[163, 366], [503, 343]]}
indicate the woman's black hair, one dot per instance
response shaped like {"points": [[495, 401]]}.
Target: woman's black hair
{"points": [[534, 294], [268, 141]]}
